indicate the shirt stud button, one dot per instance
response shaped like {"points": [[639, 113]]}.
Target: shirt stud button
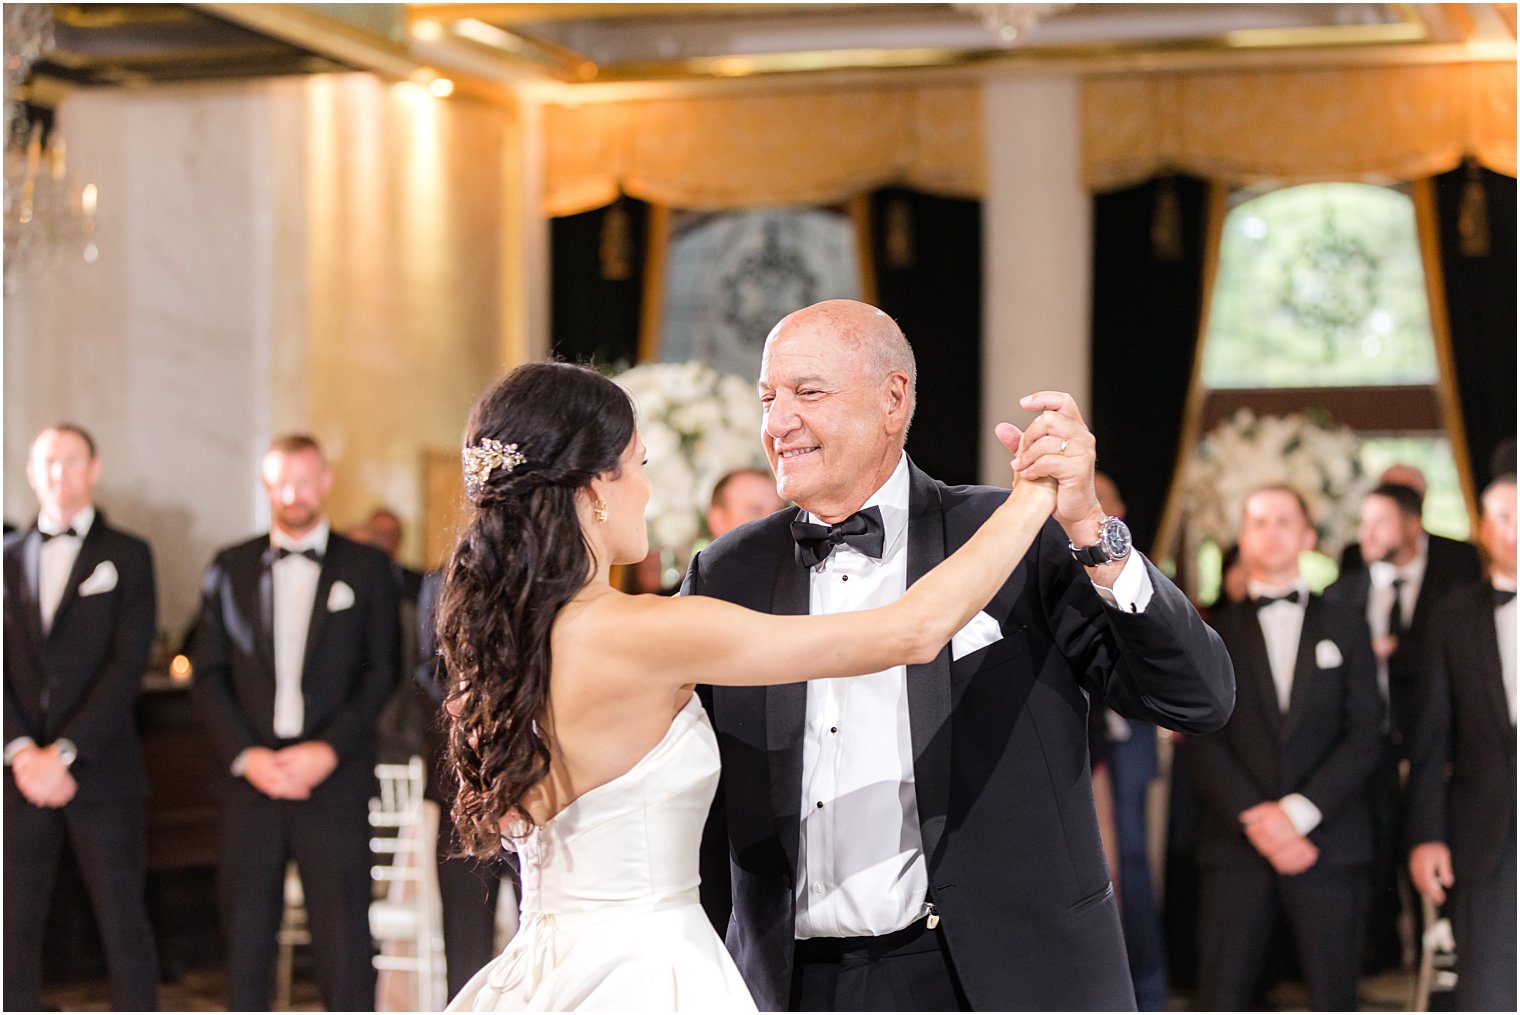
{"points": [[820, 805], [817, 887], [833, 729]]}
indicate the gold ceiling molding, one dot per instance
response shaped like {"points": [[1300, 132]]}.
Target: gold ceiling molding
{"points": [[1402, 122], [749, 150]]}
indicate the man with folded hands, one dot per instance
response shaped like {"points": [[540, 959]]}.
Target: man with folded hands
{"points": [[80, 612], [1287, 825], [295, 657]]}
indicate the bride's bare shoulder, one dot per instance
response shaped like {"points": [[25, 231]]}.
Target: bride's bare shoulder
{"points": [[603, 616]]}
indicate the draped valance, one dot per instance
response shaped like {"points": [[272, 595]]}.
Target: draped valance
{"points": [[719, 152], [1400, 122]]}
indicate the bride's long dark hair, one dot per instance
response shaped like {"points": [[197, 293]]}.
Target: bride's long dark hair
{"points": [[521, 558]]}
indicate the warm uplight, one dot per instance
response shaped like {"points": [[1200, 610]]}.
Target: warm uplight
{"points": [[441, 87], [427, 30], [179, 668]]}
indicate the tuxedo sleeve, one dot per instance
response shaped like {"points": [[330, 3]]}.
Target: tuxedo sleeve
{"points": [[1163, 665], [1225, 784], [212, 669], [15, 724], [353, 725], [1348, 766], [1430, 746], [108, 703]]}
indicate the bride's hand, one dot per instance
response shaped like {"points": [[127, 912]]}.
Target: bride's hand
{"points": [[1044, 488]]}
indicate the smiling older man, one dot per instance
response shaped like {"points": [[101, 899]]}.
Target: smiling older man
{"points": [[924, 838]]}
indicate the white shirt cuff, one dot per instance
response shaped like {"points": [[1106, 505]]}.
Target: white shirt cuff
{"points": [[1302, 812], [16, 746], [1132, 589], [240, 763]]}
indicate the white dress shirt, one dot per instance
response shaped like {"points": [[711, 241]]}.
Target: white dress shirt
{"points": [[1282, 626], [1504, 620], [55, 562], [295, 592], [860, 863]]}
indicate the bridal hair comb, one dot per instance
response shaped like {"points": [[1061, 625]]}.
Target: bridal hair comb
{"points": [[482, 459]]}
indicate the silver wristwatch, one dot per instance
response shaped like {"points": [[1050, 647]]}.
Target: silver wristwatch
{"points": [[1113, 543]]}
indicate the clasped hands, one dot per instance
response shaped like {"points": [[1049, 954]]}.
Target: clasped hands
{"points": [[290, 773], [1270, 831], [42, 777]]}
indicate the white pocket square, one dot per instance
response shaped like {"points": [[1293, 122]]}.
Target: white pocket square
{"points": [[339, 597], [1326, 655], [980, 632], [102, 579]]}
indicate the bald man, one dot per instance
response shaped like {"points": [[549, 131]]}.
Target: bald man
{"points": [[924, 838]]}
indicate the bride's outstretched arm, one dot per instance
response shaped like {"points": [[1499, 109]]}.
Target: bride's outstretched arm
{"points": [[696, 639]]}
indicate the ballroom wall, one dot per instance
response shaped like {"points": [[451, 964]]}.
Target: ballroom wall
{"points": [[329, 254]]}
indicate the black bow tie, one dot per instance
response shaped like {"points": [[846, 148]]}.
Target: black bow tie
{"points": [[862, 530], [54, 535], [1261, 601], [1503, 597], [310, 553]]}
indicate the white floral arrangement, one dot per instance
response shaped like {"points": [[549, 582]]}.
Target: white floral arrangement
{"points": [[698, 425], [1305, 451]]}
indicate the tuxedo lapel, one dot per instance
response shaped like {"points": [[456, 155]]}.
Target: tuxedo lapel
{"points": [[1488, 666], [31, 591], [90, 554], [1256, 666], [786, 717], [1305, 665], [332, 562], [928, 683], [263, 608]]}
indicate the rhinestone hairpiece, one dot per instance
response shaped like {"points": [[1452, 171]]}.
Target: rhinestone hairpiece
{"points": [[484, 458]]}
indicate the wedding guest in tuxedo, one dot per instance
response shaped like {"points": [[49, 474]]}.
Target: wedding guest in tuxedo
{"points": [[385, 532], [402, 729], [80, 613], [1462, 766], [296, 655], [743, 495], [924, 838], [1407, 572], [1286, 826], [467, 887]]}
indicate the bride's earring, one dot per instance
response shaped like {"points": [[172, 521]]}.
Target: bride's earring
{"points": [[599, 509]]}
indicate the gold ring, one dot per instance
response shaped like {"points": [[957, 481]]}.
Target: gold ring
{"points": [[1064, 445]]}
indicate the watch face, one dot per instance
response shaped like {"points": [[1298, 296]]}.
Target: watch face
{"points": [[1115, 538]]}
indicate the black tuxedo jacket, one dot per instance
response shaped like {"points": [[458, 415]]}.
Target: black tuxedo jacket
{"points": [[999, 737], [1325, 747], [1463, 722], [1449, 564], [79, 681], [350, 661]]}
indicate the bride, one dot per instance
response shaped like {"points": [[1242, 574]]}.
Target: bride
{"points": [[576, 737]]}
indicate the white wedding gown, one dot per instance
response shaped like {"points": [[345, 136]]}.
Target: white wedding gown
{"points": [[610, 915]]}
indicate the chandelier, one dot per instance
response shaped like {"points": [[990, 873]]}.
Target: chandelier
{"points": [[46, 214], [1011, 22]]}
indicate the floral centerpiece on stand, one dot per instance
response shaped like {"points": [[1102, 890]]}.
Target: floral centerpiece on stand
{"points": [[697, 425], [1304, 450]]}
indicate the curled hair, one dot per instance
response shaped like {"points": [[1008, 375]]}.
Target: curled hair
{"points": [[521, 557]]}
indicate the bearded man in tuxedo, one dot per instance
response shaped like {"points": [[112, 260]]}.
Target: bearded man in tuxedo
{"points": [[296, 655], [924, 838], [80, 613]]}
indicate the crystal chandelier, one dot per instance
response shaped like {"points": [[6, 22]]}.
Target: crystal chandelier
{"points": [[45, 214], [1011, 22]]}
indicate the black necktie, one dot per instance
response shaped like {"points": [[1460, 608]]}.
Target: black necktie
{"points": [[1503, 597], [1396, 611], [862, 530], [54, 535], [309, 553], [1261, 601]]}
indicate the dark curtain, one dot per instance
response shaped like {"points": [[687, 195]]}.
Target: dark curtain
{"points": [[596, 283], [927, 253], [1480, 304], [1148, 263]]}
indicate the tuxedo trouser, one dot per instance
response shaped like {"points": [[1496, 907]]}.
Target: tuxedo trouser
{"points": [[1483, 924], [1239, 905], [328, 837], [1132, 767], [109, 840], [467, 889], [908, 970]]}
